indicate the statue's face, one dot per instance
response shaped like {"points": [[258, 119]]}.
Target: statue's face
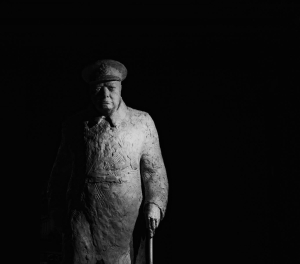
{"points": [[106, 96]]}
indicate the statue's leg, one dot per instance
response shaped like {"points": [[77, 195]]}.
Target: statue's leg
{"points": [[141, 256], [125, 259], [78, 245], [138, 254]]}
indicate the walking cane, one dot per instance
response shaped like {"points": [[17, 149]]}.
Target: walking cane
{"points": [[150, 246]]}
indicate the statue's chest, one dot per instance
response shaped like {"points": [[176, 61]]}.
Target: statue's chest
{"points": [[114, 147]]}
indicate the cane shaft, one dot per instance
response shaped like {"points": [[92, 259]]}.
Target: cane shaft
{"points": [[150, 250]]}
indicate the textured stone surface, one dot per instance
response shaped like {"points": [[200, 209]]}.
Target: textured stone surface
{"points": [[98, 178]]}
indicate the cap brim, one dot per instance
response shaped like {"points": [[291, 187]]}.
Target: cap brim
{"points": [[106, 78]]}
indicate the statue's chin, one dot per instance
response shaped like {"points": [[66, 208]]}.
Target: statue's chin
{"points": [[106, 106], [105, 109]]}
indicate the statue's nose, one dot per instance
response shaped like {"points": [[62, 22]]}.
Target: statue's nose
{"points": [[105, 92]]}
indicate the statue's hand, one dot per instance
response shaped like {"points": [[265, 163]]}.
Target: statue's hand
{"points": [[152, 215]]}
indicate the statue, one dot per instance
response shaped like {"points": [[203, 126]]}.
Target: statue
{"points": [[108, 171]]}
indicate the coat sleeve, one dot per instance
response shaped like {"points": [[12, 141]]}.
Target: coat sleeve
{"points": [[60, 175], [153, 170]]}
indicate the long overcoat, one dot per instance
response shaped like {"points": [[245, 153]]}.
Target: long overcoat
{"points": [[104, 174]]}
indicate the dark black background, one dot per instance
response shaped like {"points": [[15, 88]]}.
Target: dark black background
{"points": [[224, 95]]}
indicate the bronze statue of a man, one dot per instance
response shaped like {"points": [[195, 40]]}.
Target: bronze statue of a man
{"points": [[109, 165]]}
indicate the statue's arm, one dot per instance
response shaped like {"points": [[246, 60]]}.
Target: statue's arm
{"points": [[60, 175], [153, 170]]}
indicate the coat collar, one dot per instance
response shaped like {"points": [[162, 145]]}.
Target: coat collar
{"points": [[116, 119]]}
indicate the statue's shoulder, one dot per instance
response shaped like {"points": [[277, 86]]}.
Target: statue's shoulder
{"points": [[138, 116]]}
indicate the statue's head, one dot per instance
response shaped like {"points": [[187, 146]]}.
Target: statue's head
{"points": [[106, 96], [104, 78]]}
